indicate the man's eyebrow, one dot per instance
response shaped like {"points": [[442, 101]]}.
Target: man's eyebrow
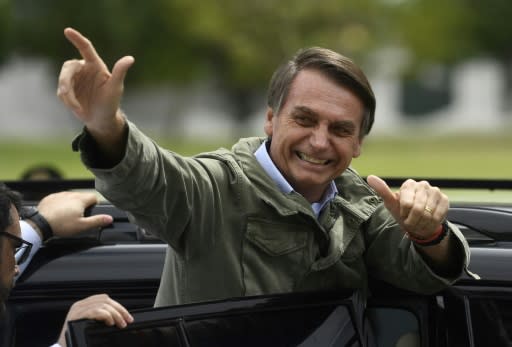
{"points": [[305, 109], [346, 124]]}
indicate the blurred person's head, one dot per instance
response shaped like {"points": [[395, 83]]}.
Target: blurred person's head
{"points": [[320, 107], [10, 236], [41, 172]]}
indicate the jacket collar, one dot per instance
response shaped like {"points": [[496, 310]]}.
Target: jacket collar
{"points": [[356, 196]]}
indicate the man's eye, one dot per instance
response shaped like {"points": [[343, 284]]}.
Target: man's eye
{"points": [[342, 132], [304, 120]]}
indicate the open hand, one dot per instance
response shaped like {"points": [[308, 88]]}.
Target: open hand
{"points": [[88, 88]]}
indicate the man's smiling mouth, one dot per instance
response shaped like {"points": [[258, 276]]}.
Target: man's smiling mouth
{"points": [[305, 157]]}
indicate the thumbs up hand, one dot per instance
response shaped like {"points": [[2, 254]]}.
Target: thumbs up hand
{"points": [[417, 207]]}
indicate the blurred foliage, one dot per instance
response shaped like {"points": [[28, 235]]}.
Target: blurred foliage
{"points": [[5, 28], [238, 43]]}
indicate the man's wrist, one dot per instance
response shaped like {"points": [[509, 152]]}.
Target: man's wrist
{"points": [[435, 239], [38, 221]]}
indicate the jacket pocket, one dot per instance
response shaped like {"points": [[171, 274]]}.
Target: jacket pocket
{"points": [[275, 239], [274, 256]]}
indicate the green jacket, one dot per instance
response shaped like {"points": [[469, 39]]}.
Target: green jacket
{"points": [[233, 233]]}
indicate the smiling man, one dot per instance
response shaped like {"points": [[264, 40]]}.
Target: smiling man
{"points": [[277, 214], [316, 133]]}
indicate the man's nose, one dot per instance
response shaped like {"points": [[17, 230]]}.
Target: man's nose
{"points": [[319, 137]]}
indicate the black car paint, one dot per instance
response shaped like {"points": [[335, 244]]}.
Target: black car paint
{"points": [[126, 262]]}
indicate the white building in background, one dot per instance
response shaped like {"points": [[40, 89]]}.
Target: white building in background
{"points": [[30, 108]]}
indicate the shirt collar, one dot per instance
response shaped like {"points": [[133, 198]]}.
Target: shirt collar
{"points": [[271, 169]]}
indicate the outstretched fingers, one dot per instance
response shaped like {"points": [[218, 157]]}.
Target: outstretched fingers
{"points": [[83, 45]]}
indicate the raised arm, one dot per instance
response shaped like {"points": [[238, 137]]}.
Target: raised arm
{"points": [[93, 94]]}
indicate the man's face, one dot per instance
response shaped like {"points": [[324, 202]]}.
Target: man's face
{"points": [[316, 133], [8, 268]]}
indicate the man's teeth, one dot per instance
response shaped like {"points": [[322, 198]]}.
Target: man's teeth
{"points": [[307, 158]]}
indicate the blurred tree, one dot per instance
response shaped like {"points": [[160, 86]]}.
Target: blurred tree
{"points": [[438, 32], [491, 33], [238, 43], [116, 27], [243, 41], [433, 31], [5, 27]]}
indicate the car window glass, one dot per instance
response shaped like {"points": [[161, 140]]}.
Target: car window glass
{"points": [[394, 327], [301, 326], [305, 327], [491, 321], [142, 336]]}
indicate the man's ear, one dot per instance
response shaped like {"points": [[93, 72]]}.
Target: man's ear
{"points": [[358, 147], [269, 122]]}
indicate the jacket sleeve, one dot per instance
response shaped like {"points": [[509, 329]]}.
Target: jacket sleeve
{"points": [[166, 193], [392, 257]]}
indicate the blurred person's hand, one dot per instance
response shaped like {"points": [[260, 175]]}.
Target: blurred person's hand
{"points": [[64, 212], [99, 307]]}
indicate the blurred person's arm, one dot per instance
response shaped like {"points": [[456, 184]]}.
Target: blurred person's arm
{"points": [[64, 213]]}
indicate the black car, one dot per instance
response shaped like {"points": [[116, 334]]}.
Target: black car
{"points": [[126, 261]]}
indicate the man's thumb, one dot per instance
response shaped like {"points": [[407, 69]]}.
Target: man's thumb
{"points": [[100, 220], [382, 189], [121, 68]]}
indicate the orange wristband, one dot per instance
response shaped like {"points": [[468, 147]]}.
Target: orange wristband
{"points": [[435, 239]]}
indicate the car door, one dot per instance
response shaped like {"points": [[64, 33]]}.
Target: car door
{"points": [[120, 260], [306, 320]]}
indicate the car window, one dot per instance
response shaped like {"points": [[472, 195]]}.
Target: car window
{"points": [[491, 320], [394, 327], [167, 335], [322, 324], [306, 327]]}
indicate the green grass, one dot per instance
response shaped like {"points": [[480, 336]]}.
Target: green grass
{"points": [[17, 155], [463, 156]]}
